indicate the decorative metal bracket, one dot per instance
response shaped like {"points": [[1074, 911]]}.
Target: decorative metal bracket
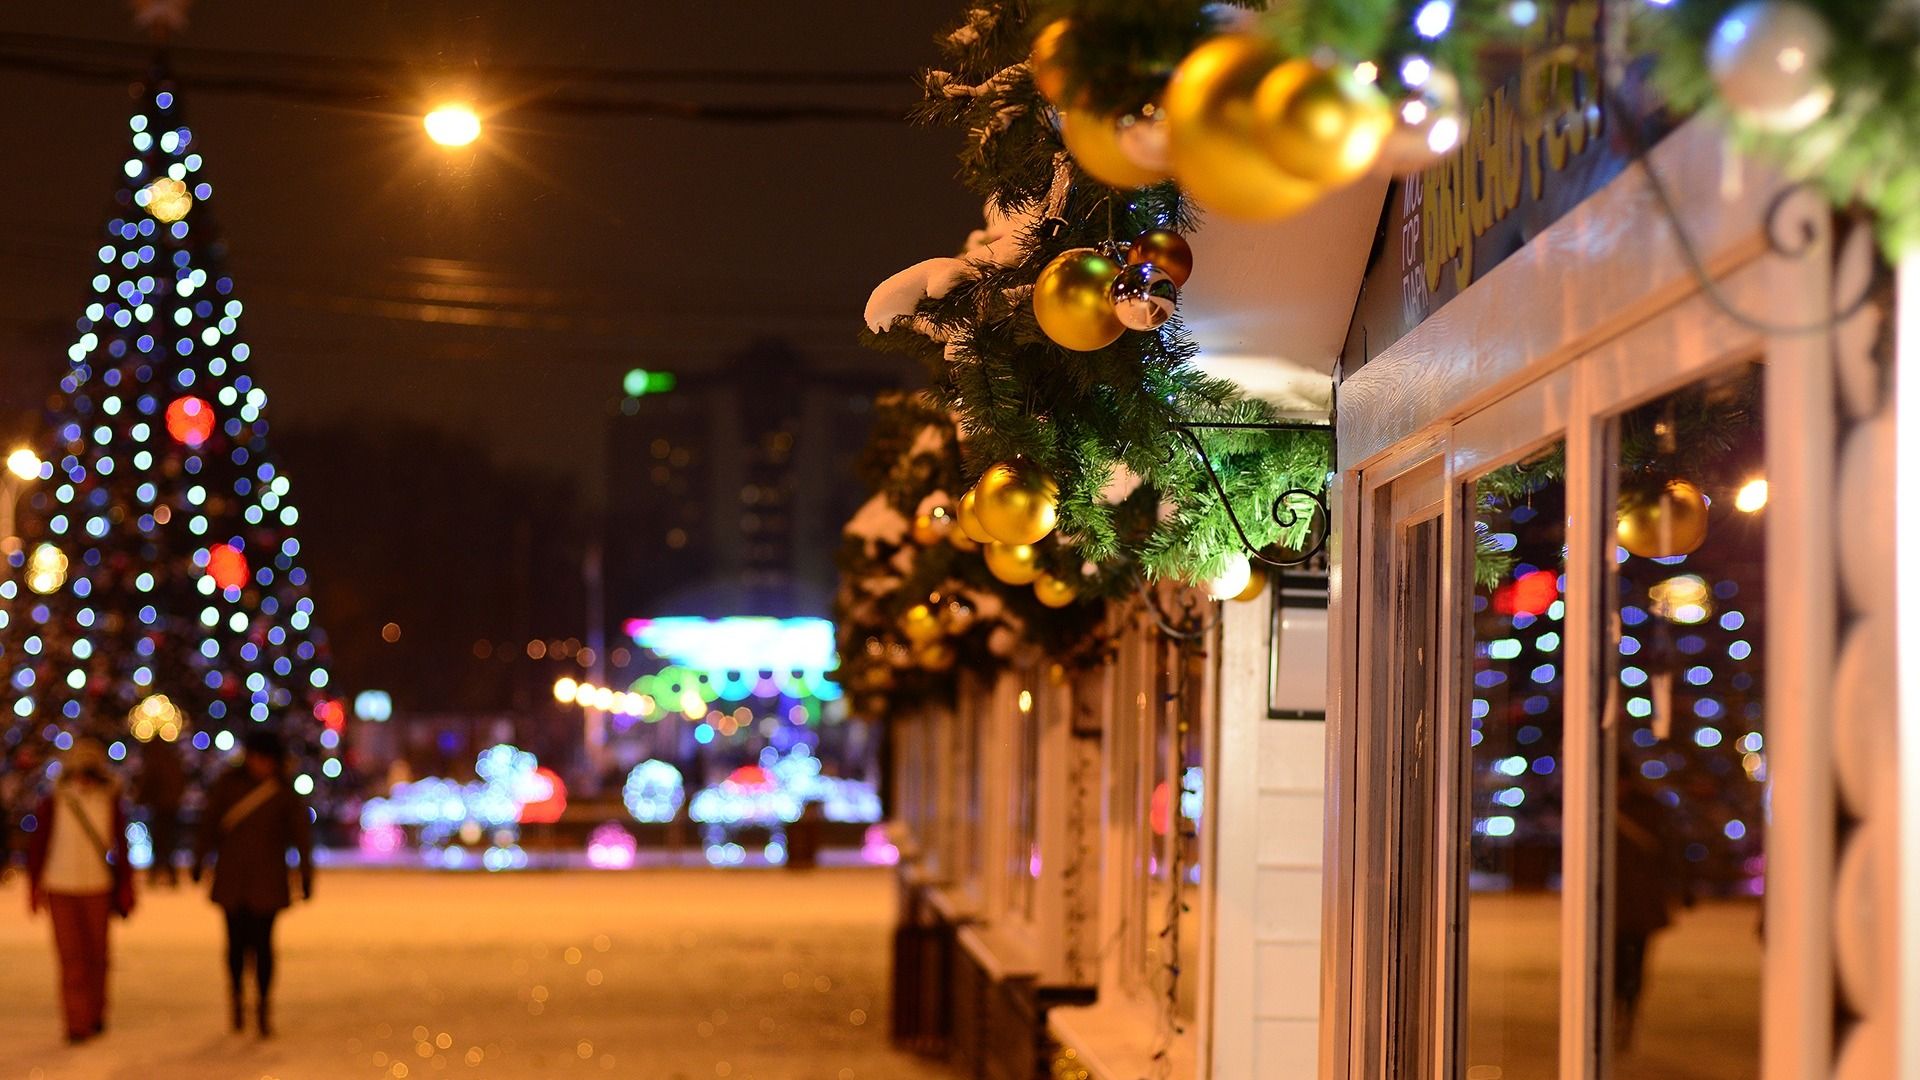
{"points": [[1286, 510]]}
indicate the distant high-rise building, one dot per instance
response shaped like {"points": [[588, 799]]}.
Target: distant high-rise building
{"points": [[726, 492]]}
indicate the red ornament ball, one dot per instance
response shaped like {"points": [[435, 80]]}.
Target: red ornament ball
{"points": [[226, 566], [1529, 594], [331, 713], [190, 420]]}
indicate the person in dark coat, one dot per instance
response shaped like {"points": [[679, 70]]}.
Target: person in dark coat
{"points": [[251, 818], [77, 868], [1649, 885], [162, 783]]}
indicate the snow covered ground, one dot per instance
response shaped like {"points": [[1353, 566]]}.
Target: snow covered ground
{"points": [[671, 974]]}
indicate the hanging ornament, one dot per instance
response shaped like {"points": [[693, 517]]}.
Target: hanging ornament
{"points": [[1047, 61], [1070, 300], [1017, 502], [934, 656], [932, 527], [1216, 150], [1232, 580], [1052, 592], [1256, 584], [1321, 122], [1769, 60], [1657, 527], [1143, 296], [960, 540], [1094, 141], [1013, 564], [1165, 249], [226, 566], [968, 519], [1428, 120], [920, 625], [190, 420], [167, 199]]}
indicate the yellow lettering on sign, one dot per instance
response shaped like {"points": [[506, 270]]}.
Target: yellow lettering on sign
{"points": [[1476, 186]]}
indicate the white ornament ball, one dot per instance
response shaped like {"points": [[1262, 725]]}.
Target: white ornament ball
{"points": [[1143, 296], [1769, 59], [1233, 578]]}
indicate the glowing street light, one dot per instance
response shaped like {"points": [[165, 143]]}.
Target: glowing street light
{"points": [[24, 464], [452, 125]]}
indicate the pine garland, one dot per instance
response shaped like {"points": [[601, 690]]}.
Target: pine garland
{"points": [[1086, 417], [1865, 149], [913, 459]]}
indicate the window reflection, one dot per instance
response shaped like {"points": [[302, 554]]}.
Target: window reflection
{"points": [[1685, 734], [1511, 962]]}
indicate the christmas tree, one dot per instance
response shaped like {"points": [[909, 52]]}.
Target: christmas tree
{"points": [[156, 591]]}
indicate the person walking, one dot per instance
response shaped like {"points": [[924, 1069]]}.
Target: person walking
{"points": [[162, 784], [77, 868], [252, 817]]}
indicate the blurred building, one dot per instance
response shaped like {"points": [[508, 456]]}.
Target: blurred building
{"points": [[726, 489]]}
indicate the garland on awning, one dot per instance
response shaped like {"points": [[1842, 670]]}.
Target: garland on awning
{"points": [[1070, 395]]}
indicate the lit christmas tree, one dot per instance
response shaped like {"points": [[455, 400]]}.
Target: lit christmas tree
{"points": [[157, 590]]}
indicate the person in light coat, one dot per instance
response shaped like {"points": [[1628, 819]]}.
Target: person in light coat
{"points": [[77, 868]]}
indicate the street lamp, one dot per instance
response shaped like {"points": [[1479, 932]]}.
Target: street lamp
{"points": [[452, 125], [23, 468]]}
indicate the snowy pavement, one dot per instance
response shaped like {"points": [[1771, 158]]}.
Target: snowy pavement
{"points": [[670, 974]]}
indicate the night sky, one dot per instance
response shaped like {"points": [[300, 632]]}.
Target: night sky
{"points": [[442, 334], [498, 294]]}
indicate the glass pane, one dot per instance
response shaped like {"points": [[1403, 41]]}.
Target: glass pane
{"points": [[1685, 734], [1510, 959], [1415, 717]]}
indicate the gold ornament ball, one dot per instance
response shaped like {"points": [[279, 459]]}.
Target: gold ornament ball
{"points": [[1256, 585], [1047, 61], [1322, 124], [1070, 300], [931, 527], [1052, 592], [1013, 564], [961, 541], [1675, 523], [934, 655], [920, 624], [1216, 145], [1094, 141], [1016, 502], [1165, 249], [968, 518]]}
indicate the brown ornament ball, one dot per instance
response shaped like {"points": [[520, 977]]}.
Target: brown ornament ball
{"points": [[1674, 522], [1165, 249]]}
